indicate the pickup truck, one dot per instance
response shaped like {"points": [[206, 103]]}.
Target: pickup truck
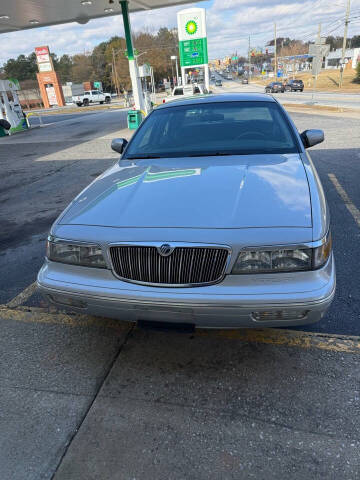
{"points": [[91, 96], [184, 91]]}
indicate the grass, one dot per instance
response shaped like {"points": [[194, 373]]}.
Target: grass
{"points": [[328, 80]]}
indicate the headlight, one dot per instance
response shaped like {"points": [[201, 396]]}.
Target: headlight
{"points": [[284, 260], [74, 253]]}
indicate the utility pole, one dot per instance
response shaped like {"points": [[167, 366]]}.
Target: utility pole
{"points": [[315, 76], [116, 82], [275, 52], [347, 21], [249, 60]]}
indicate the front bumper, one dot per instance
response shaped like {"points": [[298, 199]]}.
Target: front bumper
{"points": [[229, 304]]}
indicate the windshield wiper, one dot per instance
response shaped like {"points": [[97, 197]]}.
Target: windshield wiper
{"points": [[140, 157]]}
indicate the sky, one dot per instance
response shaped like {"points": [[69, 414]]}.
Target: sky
{"points": [[229, 23]]}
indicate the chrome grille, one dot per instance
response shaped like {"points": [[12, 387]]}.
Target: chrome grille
{"points": [[184, 266]]}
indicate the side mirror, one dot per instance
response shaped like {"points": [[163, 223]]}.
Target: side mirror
{"points": [[119, 144], [312, 137]]}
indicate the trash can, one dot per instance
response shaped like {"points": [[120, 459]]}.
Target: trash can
{"points": [[134, 119]]}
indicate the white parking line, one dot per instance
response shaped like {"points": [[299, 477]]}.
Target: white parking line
{"points": [[349, 204]]}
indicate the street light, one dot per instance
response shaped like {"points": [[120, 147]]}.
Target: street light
{"points": [[174, 57]]}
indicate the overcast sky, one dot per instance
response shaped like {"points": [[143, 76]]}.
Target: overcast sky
{"points": [[229, 22]]}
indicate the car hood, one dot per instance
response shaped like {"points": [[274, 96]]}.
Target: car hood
{"points": [[241, 191]]}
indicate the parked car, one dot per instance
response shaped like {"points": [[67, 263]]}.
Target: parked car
{"points": [[218, 83], [294, 86], [214, 216], [274, 87], [229, 76], [245, 81], [91, 96]]}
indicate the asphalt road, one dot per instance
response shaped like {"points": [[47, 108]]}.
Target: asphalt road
{"points": [[85, 398], [45, 168], [331, 99], [36, 121]]}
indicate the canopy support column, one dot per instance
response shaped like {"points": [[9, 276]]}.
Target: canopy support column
{"points": [[133, 67]]}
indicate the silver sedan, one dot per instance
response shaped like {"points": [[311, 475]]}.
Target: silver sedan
{"points": [[213, 216]]}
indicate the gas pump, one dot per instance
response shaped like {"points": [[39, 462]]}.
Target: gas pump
{"points": [[10, 108]]}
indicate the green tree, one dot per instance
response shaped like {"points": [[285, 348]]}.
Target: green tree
{"points": [[22, 68], [64, 68]]}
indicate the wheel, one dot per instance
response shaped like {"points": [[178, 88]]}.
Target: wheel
{"points": [[107, 99], [79, 104], [302, 90], [267, 90], [86, 102], [101, 103]]}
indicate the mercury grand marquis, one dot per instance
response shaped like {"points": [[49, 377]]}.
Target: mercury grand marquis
{"points": [[213, 216]]}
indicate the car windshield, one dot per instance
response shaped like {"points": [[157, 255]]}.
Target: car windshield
{"points": [[206, 129]]}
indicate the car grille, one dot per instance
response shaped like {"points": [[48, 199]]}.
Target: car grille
{"points": [[185, 266]]}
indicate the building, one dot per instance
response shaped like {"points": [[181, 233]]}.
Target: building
{"points": [[352, 57]]}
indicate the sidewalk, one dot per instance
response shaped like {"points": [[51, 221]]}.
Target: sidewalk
{"points": [[89, 398], [210, 406]]}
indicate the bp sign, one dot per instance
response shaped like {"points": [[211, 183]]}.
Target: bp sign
{"points": [[192, 37]]}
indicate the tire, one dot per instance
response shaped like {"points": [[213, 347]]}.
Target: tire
{"points": [[79, 104], [302, 90], [107, 99], [101, 103], [86, 102]]}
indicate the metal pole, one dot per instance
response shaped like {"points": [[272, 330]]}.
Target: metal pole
{"points": [[249, 61], [206, 77], [177, 72], [172, 70], [347, 21], [315, 76], [275, 51], [115, 74], [133, 67]]}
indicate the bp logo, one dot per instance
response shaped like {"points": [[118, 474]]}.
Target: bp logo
{"points": [[191, 27]]}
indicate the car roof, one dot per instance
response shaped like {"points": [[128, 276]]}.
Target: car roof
{"points": [[219, 98]]}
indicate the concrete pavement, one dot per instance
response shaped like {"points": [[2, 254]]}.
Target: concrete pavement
{"points": [[87, 398]]}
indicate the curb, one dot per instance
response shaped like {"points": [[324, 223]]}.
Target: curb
{"points": [[272, 336]]}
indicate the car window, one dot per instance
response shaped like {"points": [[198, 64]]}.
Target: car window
{"points": [[94, 92], [214, 128], [87, 93]]}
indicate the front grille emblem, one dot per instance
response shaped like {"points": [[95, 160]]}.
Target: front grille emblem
{"points": [[165, 250]]}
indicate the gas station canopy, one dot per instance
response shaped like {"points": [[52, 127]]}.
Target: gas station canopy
{"points": [[23, 14]]}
